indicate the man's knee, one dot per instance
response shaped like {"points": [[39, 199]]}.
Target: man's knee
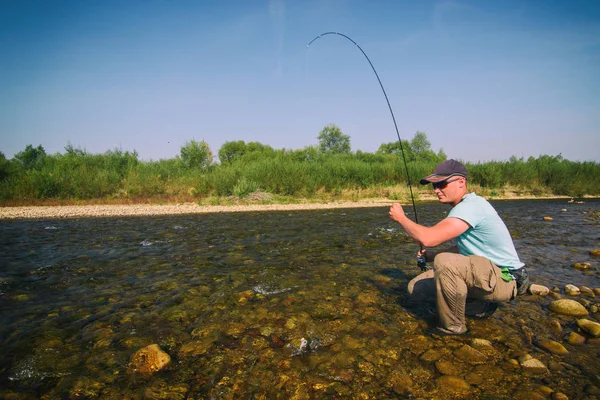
{"points": [[444, 261]]}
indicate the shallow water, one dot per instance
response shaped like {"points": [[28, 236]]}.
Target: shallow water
{"points": [[302, 304]]}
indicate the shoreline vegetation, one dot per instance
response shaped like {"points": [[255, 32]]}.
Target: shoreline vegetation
{"points": [[253, 176]]}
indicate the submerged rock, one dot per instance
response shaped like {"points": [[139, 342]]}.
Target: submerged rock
{"points": [[572, 290], [568, 307], [454, 385], [595, 252], [591, 327], [586, 291], [553, 347], [575, 339], [149, 359], [470, 355], [532, 365], [581, 265]]}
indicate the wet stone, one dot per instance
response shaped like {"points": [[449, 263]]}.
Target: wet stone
{"points": [[581, 265], [591, 327], [401, 384], [568, 307], [447, 368], [453, 385], [149, 359], [575, 339], [595, 252], [572, 290], [584, 302], [553, 347], [532, 365], [431, 355], [470, 355], [586, 291], [555, 326]]}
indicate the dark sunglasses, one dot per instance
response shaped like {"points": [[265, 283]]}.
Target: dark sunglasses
{"points": [[442, 185]]}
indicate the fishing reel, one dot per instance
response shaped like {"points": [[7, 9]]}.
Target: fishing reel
{"points": [[422, 262]]}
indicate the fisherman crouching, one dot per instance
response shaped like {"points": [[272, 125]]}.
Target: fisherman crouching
{"points": [[483, 269]]}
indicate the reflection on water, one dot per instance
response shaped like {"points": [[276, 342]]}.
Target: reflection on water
{"points": [[303, 304]]}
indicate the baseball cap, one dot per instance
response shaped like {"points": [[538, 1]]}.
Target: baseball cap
{"points": [[444, 171]]}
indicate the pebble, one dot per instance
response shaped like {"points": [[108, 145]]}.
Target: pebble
{"points": [[547, 218], [586, 291], [559, 396], [553, 347], [582, 265], [572, 290], [568, 307], [575, 339]]}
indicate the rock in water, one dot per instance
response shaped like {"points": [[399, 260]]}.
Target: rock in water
{"points": [[149, 359], [582, 265], [572, 290], [591, 327], [533, 365], [568, 307], [553, 347], [595, 252]]}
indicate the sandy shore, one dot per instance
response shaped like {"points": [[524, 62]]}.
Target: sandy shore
{"points": [[77, 211], [113, 210]]}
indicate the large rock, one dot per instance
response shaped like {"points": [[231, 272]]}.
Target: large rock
{"points": [[591, 327], [149, 359], [568, 307]]}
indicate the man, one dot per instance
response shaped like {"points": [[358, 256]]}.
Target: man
{"points": [[483, 266]]}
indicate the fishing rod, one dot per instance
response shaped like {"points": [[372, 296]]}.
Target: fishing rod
{"points": [[421, 260]]}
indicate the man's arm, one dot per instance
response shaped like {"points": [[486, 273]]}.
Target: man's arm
{"points": [[446, 229]]}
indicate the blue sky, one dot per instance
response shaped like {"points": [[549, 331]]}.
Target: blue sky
{"points": [[484, 79]]}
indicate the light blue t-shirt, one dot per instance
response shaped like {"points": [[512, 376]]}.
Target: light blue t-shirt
{"points": [[487, 235]]}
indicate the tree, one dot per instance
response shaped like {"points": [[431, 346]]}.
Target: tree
{"points": [[4, 167], [394, 148], [231, 151], [420, 144], [418, 148], [333, 141], [196, 154], [31, 157]]}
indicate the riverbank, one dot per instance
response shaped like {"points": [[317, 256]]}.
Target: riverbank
{"points": [[113, 210]]}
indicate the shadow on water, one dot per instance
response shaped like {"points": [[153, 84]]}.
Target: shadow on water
{"points": [[303, 304]]}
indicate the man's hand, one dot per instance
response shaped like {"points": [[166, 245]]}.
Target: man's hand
{"points": [[396, 212], [429, 255]]}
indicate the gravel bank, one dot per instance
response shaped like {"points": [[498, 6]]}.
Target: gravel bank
{"points": [[32, 212]]}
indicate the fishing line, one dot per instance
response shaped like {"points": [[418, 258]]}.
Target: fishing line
{"points": [[421, 260], [389, 106]]}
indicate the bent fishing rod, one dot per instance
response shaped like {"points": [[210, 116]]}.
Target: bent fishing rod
{"points": [[421, 260]]}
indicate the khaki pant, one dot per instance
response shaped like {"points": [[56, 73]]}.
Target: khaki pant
{"points": [[453, 279]]}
